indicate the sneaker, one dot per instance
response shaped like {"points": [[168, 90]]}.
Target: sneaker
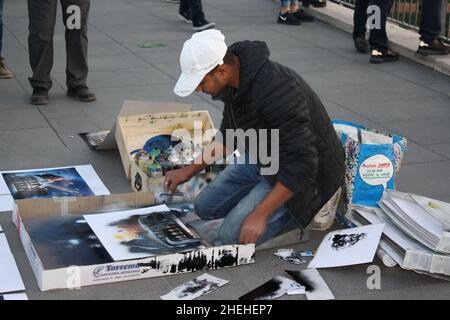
{"points": [[186, 16], [380, 56], [362, 45], [303, 16], [39, 96], [81, 93], [315, 3], [202, 24], [322, 222], [324, 219], [5, 73], [288, 18], [173, 1], [434, 47]]}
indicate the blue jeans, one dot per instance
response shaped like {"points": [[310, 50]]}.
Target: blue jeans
{"points": [[286, 3], [233, 195], [1, 26]]}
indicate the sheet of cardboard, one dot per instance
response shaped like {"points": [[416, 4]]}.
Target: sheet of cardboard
{"points": [[98, 273]]}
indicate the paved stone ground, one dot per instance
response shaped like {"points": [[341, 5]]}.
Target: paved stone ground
{"points": [[402, 97]]}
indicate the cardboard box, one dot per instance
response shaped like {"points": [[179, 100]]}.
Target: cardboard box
{"points": [[134, 128], [55, 259]]}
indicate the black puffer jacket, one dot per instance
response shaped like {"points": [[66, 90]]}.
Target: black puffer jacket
{"points": [[272, 96]]}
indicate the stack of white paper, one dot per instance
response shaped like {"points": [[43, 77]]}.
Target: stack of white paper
{"points": [[412, 215], [405, 239]]}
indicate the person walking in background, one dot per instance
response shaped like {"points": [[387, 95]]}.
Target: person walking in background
{"points": [[378, 40], [430, 29], [191, 11], [4, 72], [291, 14], [42, 17]]}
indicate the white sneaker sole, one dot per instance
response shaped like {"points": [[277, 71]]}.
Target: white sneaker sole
{"points": [[315, 226], [204, 27]]}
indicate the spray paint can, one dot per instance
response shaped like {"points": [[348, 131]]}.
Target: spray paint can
{"points": [[387, 260]]}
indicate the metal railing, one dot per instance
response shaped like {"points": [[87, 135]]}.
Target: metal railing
{"points": [[407, 13]]}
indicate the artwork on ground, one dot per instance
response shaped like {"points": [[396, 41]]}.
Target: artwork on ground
{"points": [[348, 247], [315, 287], [94, 139], [146, 232], [74, 181], [46, 184], [190, 290], [274, 289]]}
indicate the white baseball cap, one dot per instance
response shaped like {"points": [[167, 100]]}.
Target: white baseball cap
{"points": [[201, 53]]}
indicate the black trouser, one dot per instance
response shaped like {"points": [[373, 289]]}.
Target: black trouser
{"points": [[196, 8], [430, 27], [42, 18], [1, 26], [378, 38]]}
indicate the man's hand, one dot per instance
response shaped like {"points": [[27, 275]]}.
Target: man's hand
{"points": [[253, 227], [174, 178]]}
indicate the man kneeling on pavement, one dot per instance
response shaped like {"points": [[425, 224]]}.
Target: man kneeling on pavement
{"points": [[261, 94]]}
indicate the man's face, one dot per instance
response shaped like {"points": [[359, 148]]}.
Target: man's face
{"points": [[214, 82]]}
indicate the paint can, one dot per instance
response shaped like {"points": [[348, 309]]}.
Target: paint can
{"points": [[387, 260]]}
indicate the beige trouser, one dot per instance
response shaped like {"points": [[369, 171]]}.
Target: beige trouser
{"points": [[324, 219]]}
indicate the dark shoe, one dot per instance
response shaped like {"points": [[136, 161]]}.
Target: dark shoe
{"points": [[315, 3], [434, 47], [39, 96], [186, 16], [288, 18], [362, 45], [202, 24], [385, 55], [81, 93], [303, 16], [4, 71]]}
